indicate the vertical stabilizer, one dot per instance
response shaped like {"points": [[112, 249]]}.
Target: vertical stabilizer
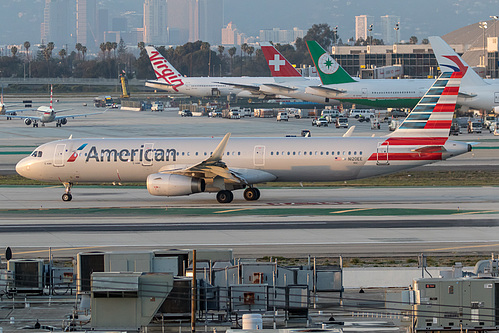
{"points": [[432, 116], [164, 71], [329, 70], [450, 61], [279, 66]]}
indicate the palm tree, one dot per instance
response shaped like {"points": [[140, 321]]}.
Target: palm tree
{"points": [[102, 47], [78, 47], [62, 53], [141, 46], [232, 52], [250, 50], [83, 51], [109, 47], [50, 48], [114, 46], [13, 49], [27, 45]]}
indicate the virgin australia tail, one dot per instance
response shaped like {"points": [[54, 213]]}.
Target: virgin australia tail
{"points": [[449, 61], [432, 116], [329, 70], [165, 73]]}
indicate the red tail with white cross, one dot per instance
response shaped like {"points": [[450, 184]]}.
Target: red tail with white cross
{"points": [[279, 66]]}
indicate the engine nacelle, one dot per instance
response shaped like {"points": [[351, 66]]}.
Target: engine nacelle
{"points": [[27, 121], [174, 185], [63, 121]]}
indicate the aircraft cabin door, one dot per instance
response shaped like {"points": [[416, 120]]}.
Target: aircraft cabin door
{"points": [[148, 157], [364, 92], [59, 155], [496, 98], [382, 154], [259, 156]]}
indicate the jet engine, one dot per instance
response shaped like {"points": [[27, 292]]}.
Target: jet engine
{"points": [[27, 121], [63, 121], [174, 185]]}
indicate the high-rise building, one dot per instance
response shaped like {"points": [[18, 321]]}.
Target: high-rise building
{"points": [[178, 21], [277, 35], [362, 23], [211, 20], [56, 26], [389, 34], [229, 34], [155, 22], [86, 23], [102, 24]]}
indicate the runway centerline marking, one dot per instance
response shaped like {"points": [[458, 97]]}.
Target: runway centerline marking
{"points": [[350, 210], [231, 210]]}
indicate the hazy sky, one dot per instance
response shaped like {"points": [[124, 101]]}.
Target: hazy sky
{"points": [[21, 19]]}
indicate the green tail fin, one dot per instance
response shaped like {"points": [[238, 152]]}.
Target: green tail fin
{"points": [[329, 70]]}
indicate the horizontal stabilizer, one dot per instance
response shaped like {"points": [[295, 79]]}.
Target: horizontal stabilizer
{"points": [[430, 149]]}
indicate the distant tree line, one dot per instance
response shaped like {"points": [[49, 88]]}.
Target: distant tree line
{"points": [[191, 59]]}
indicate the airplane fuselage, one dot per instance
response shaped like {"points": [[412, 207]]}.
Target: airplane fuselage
{"points": [[287, 159]]}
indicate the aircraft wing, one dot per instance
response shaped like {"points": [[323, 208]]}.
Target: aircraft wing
{"points": [[280, 88], [16, 111], [76, 115], [252, 88], [21, 117], [325, 89], [213, 166]]}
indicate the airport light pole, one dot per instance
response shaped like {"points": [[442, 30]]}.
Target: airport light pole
{"points": [[494, 17], [483, 26], [369, 35], [397, 28], [335, 35]]}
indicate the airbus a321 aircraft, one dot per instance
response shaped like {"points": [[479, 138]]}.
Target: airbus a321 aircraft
{"points": [[47, 114], [169, 79], [183, 166]]}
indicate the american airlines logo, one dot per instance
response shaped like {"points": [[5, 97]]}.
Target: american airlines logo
{"points": [[76, 153], [164, 72], [131, 155]]}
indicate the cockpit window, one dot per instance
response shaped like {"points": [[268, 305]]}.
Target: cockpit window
{"points": [[40, 153], [36, 153]]}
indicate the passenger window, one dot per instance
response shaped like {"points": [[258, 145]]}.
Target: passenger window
{"points": [[349, 153], [294, 153], [327, 153], [271, 153], [304, 153], [277, 153], [239, 153], [360, 152], [322, 153], [288, 153], [196, 153], [355, 153], [183, 153]]}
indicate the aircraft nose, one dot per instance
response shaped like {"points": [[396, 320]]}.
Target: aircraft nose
{"points": [[23, 167]]}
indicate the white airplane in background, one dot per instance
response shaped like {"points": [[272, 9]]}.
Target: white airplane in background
{"points": [[169, 79], [9, 113], [47, 114], [475, 92], [183, 166]]}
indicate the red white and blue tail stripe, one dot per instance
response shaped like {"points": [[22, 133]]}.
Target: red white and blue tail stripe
{"points": [[432, 116]]}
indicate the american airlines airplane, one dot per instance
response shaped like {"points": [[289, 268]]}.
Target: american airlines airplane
{"points": [[184, 166], [169, 79], [47, 114]]}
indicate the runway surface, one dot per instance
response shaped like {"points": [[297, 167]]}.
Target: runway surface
{"points": [[285, 222]]}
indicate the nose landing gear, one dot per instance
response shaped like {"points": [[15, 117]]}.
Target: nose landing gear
{"points": [[67, 195]]}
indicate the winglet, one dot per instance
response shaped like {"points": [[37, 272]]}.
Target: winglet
{"points": [[219, 151], [349, 132]]}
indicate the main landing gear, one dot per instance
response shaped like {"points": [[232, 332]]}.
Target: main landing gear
{"points": [[67, 195], [250, 194]]}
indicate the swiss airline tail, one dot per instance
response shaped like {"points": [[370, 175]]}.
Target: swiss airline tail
{"points": [[278, 64], [164, 71]]}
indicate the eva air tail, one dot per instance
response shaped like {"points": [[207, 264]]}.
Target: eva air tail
{"points": [[329, 70]]}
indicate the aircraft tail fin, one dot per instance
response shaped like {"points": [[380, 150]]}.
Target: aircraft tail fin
{"points": [[329, 70], [51, 99], [279, 66], [432, 116], [449, 61], [165, 72]]}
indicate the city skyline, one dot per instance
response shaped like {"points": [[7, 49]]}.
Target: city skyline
{"points": [[27, 19]]}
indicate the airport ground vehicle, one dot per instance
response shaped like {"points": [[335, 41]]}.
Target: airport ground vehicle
{"points": [[282, 116], [341, 122], [157, 106], [330, 114], [322, 121], [475, 126], [246, 112], [455, 129], [398, 113], [364, 113], [375, 123], [234, 114], [186, 113], [489, 119]]}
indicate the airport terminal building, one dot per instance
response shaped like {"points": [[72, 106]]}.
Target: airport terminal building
{"points": [[476, 45]]}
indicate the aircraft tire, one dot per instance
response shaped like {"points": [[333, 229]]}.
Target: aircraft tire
{"points": [[225, 196], [67, 197], [251, 194]]}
